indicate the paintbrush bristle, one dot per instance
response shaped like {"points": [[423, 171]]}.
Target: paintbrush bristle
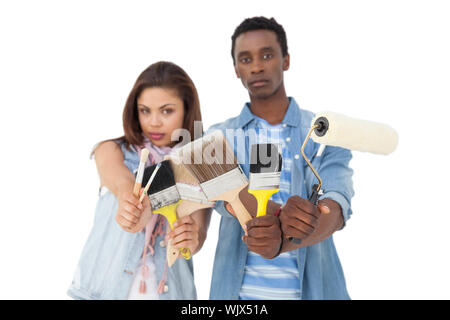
{"points": [[164, 178], [162, 191], [208, 157], [144, 155], [181, 173], [265, 158], [187, 184]]}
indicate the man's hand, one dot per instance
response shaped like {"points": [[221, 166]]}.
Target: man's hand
{"points": [[300, 218], [263, 236]]}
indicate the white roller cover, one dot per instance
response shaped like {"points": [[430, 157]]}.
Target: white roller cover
{"points": [[356, 134]]}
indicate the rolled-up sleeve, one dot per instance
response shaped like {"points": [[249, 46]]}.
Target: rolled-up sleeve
{"points": [[220, 208], [337, 178]]}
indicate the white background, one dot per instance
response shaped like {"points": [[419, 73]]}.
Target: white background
{"points": [[66, 69]]}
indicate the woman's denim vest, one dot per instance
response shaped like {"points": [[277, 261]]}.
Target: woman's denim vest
{"points": [[110, 257]]}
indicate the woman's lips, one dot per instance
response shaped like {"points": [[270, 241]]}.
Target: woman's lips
{"points": [[156, 136]]}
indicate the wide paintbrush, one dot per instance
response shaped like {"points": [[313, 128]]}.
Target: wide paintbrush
{"points": [[211, 160], [192, 195]]}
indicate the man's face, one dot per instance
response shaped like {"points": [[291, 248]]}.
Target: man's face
{"points": [[259, 62]]}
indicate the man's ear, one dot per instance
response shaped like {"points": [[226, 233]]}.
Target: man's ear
{"points": [[286, 62]]}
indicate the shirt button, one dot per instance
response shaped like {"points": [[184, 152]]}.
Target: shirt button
{"points": [[162, 244], [288, 139], [284, 125], [297, 157], [166, 288]]}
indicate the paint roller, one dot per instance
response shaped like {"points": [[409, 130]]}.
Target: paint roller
{"points": [[333, 129]]}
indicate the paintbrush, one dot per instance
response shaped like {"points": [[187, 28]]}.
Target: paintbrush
{"points": [[265, 171], [140, 172], [163, 194], [150, 180], [189, 188], [192, 195], [211, 160]]}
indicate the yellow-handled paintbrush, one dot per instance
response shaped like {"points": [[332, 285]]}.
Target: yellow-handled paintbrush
{"points": [[265, 171], [164, 196]]}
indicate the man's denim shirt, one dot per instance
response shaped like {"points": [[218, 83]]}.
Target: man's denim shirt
{"points": [[321, 275], [111, 255]]}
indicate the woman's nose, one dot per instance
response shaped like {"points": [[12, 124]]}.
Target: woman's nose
{"points": [[155, 120]]}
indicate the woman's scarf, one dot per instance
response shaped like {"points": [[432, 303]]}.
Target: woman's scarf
{"points": [[156, 155]]}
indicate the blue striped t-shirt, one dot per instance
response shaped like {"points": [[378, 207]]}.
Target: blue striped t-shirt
{"points": [[277, 278]]}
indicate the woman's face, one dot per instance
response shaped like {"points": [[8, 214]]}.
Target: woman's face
{"points": [[160, 111]]}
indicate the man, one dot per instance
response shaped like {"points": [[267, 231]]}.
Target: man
{"points": [[263, 262]]}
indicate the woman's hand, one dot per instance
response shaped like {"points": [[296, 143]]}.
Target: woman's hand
{"points": [[187, 233], [132, 216]]}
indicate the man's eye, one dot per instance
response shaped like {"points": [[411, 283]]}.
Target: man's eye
{"points": [[267, 56], [245, 60]]}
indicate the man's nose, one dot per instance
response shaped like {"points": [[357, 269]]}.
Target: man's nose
{"points": [[257, 66]]}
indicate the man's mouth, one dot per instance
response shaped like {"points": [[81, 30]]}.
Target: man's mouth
{"points": [[258, 83]]}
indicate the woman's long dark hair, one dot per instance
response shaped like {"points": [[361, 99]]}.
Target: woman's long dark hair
{"points": [[165, 75]]}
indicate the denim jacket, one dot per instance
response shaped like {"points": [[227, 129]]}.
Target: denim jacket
{"points": [[321, 274], [111, 255]]}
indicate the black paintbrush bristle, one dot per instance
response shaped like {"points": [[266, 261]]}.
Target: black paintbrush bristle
{"points": [[164, 178], [264, 158]]}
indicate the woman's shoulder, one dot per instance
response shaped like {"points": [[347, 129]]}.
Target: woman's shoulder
{"points": [[108, 148]]}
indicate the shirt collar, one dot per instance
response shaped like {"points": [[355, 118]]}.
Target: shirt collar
{"points": [[291, 118]]}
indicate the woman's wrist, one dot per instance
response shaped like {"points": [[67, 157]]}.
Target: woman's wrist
{"points": [[125, 184]]}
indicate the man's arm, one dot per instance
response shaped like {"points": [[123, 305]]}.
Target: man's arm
{"points": [[312, 224]]}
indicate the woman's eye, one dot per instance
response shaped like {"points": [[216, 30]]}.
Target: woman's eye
{"points": [[143, 111], [167, 111]]}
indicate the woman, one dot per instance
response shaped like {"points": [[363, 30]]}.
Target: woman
{"points": [[162, 100]]}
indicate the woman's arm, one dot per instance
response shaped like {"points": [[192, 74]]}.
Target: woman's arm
{"points": [[114, 174]]}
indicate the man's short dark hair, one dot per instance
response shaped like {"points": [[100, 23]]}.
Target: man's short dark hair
{"points": [[260, 23]]}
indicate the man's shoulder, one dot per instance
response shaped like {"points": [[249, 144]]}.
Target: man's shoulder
{"points": [[306, 117], [230, 123]]}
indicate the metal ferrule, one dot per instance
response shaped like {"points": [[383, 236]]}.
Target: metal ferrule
{"points": [[164, 198], [192, 193], [263, 181], [226, 182]]}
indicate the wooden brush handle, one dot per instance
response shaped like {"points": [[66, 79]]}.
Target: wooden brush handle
{"points": [[172, 254], [241, 212], [136, 189], [232, 197], [187, 207]]}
